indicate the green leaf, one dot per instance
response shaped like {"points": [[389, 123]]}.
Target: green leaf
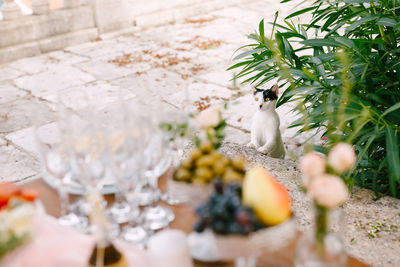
{"points": [[250, 52], [319, 66], [292, 34], [320, 42], [239, 64], [309, 74], [261, 30], [345, 42], [360, 22], [391, 109], [387, 22], [357, 1], [302, 11], [392, 152]]}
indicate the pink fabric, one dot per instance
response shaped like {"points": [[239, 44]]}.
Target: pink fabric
{"points": [[59, 246]]}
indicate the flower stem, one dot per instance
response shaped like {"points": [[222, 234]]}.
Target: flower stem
{"points": [[321, 227]]}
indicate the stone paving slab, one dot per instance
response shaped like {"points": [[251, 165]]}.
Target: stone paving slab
{"points": [[183, 66], [9, 92]]}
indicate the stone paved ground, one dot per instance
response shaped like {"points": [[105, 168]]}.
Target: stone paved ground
{"points": [[159, 64]]}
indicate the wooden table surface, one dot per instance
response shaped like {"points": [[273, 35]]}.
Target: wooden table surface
{"points": [[184, 221]]}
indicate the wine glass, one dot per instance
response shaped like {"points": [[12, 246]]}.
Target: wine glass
{"points": [[113, 124], [56, 166], [139, 131], [175, 126], [157, 160]]}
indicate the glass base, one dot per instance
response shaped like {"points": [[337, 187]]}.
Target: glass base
{"points": [[137, 236], [146, 196], [333, 254], [75, 221], [170, 200], [120, 212], [156, 218]]}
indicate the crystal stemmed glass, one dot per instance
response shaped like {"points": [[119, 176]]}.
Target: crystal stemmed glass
{"points": [[112, 122], [139, 132], [134, 232], [157, 159], [86, 143], [175, 126], [56, 165]]}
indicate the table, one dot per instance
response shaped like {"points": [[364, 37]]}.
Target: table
{"points": [[184, 221]]}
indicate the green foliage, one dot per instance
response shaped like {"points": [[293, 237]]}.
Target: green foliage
{"points": [[343, 69], [10, 244]]}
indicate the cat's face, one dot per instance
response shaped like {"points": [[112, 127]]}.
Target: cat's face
{"points": [[266, 98]]}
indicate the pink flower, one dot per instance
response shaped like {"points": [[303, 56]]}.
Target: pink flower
{"points": [[328, 191], [312, 164], [208, 118], [342, 157]]}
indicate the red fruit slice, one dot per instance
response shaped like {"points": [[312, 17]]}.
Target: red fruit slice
{"points": [[8, 190], [29, 194]]}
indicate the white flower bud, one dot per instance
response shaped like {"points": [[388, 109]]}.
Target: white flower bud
{"points": [[328, 191], [342, 157], [312, 164], [208, 118]]}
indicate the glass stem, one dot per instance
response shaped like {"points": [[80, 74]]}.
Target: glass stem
{"points": [[64, 197], [153, 181], [119, 198], [321, 227]]}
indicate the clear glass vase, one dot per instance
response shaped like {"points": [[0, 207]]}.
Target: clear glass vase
{"points": [[320, 247]]}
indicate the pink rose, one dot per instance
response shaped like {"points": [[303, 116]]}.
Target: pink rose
{"points": [[208, 118], [312, 164], [328, 190], [342, 157]]}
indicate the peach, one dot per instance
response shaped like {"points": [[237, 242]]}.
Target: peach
{"points": [[269, 199]]}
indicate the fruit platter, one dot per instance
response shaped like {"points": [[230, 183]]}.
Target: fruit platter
{"points": [[193, 178], [254, 214]]}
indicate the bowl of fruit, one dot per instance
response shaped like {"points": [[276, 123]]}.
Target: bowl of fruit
{"points": [[192, 179], [243, 220]]}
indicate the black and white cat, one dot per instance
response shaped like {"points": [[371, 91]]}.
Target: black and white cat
{"points": [[265, 133]]}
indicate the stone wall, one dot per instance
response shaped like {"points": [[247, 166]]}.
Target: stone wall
{"points": [[83, 21]]}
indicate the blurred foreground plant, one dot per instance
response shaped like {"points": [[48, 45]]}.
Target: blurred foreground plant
{"points": [[343, 69]]}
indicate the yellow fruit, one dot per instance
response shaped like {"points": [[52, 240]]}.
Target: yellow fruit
{"points": [[187, 163], [199, 181], [220, 166], [238, 163], [206, 147], [182, 174], [203, 173], [216, 155], [195, 154], [206, 160], [269, 199], [231, 176]]}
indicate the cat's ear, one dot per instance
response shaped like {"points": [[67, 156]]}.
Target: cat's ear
{"points": [[254, 90], [275, 89]]}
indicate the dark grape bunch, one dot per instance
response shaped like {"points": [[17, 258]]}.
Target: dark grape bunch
{"points": [[224, 212]]}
